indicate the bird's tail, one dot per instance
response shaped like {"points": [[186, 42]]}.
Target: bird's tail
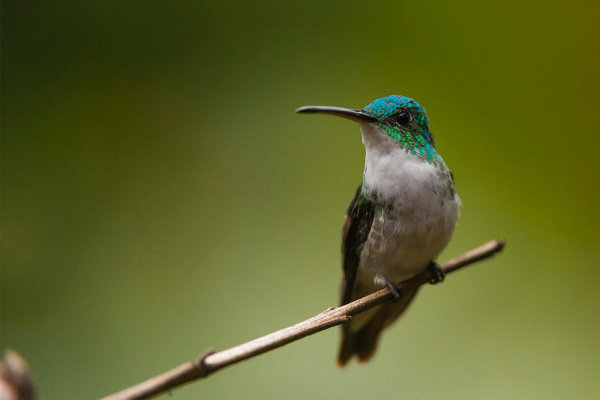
{"points": [[362, 342]]}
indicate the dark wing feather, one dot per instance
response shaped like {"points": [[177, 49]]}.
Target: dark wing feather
{"points": [[359, 218], [363, 341]]}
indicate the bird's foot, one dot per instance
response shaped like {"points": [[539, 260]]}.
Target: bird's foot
{"points": [[394, 289], [437, 271]]}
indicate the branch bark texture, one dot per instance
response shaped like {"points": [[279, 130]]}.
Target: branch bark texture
{"points": [[211, 361]]}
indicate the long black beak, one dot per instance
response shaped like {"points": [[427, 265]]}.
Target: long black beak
{"points": [[354, 115]]}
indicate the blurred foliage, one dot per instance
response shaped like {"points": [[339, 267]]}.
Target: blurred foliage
{"points": [[160, 196]]}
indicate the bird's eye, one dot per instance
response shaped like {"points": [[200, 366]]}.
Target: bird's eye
{"points": [[403, 118]]}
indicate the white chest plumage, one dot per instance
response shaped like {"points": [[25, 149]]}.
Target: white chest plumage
{"points": [[419, 213]]}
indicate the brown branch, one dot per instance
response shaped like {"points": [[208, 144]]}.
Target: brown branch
{"points": [[15, 381], [211, 362]]}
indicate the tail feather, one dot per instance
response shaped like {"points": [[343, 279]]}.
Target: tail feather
{"points": [[362, 343]]}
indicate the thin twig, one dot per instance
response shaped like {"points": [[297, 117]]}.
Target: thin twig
{"points": [[15, 381], [211, 362]]}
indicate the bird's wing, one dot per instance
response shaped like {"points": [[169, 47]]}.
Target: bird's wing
{"points": [[360, 337], [359, 218]]}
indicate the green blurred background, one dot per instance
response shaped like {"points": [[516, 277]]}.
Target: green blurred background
{"points": [[160, 196]]}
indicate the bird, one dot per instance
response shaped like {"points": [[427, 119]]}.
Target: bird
{"points": [[401, 217]]}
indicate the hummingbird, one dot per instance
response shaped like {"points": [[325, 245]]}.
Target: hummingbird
{"points": [[400, 219]]}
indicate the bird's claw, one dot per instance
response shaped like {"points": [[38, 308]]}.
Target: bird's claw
{"points": [[437, 272], [394, 290]]}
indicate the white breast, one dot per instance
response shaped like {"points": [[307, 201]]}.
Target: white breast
{"points": [[423, 214]]}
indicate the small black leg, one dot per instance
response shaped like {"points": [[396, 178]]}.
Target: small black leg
{"points": [[396, 292], [438, 273]]}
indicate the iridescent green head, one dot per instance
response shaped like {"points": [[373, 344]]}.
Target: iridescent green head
{"points": [[401, 118]]}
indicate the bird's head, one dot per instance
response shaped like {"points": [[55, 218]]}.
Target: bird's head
{"points": [[398, 118]]}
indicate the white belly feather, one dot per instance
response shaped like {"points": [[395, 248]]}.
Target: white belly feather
{"points": [[422, 216]]}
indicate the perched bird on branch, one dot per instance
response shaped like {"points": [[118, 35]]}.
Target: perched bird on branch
{"points": [[400, 219]]}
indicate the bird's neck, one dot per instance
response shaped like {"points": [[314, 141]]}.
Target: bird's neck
{"points": [[392, 169]]}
